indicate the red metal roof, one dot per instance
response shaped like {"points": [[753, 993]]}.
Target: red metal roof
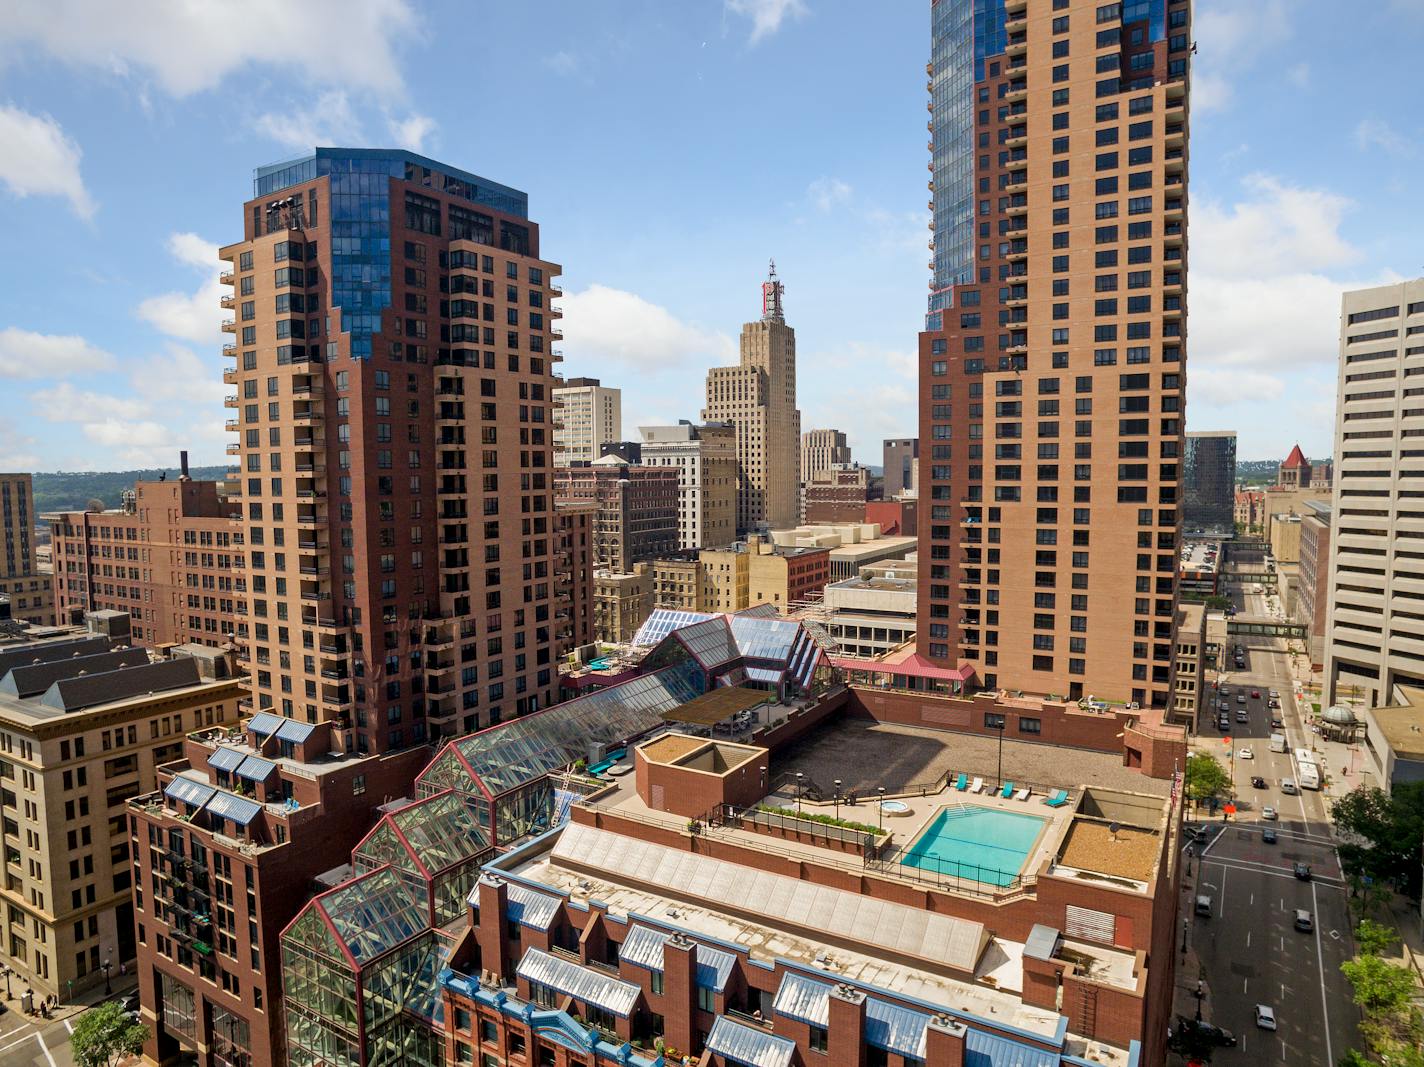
{"points": [[1295, 459]]}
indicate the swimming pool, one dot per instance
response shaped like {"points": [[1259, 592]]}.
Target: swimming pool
{"points": [[977, 843]]}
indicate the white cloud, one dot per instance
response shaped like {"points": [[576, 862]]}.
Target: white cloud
{"points": [[1279, 228], [884, 404], [330, 120], [1229, 386], [1299, 75], [767, 15], [411, 131], [62, 402], [1232, 36], [1376, 133], [563, 62], [1267, 274], [192, 316], [191, 47], [610, 326], [173, 403], [827, 193], [26, 354], [16, 450], [37, 158]]}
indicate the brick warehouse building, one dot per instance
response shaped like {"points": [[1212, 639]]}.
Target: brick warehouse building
{"points": [[395, 459], [637, 509], [171, 558], [1052, 379]]}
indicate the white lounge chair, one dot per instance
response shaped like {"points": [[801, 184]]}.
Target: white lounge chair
{"points": [[1023, 794], [977, 786]]}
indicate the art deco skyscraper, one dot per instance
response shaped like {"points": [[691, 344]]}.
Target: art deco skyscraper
{"points": [[758, 397], [394, 366], [1052, 379]]}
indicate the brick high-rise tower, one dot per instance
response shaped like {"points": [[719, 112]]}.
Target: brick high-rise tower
{"points": [[393, 342], [758, 397], [1052, 378]]}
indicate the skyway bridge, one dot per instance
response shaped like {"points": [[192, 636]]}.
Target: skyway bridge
{"points": [[1263, 626]]}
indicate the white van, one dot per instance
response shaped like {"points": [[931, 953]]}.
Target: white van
{"points": [[1278, 742]]}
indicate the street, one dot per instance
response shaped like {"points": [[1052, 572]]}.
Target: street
{"points": [[26, 1042], [1249, 948]]}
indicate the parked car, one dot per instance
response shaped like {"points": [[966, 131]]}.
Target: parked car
{"points": [[1265, 1017], [1302, 871], [1241, 698], [1269, 835], [1275, 695], [1276, 722], [1243, 716], [1269, 814], [1255, 694]]}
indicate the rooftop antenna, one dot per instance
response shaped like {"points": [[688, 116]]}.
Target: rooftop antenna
{"points": [[771, 292]]}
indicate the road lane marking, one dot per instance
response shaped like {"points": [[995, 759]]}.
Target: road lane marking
{"points": [[1223, 890], [1248, 932], [1276, 872], [12, 1044], [69, 1026], [1320, 959], [46, 1049]]}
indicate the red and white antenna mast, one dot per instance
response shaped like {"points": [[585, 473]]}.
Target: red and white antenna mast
{"points": [[771, 291]]}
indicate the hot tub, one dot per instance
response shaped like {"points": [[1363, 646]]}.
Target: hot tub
{"points": [[894, 807]]}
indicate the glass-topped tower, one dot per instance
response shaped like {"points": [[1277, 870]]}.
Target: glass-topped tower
{"points": [[393, 367], [1052, 376]]}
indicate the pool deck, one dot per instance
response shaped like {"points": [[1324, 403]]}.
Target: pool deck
{"points": [[908, 827]]}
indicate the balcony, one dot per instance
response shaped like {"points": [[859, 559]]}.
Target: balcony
{"points": [[229, 350], [228, 326], [1017, 138], [226, 277], [1017, 45], [234, 449], [228, 301], [230, 376], [230, 426], [1016, 91], [230, 401], [311, 518]]}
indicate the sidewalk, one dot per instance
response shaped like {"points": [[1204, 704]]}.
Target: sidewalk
{"points": [[122, 986]]}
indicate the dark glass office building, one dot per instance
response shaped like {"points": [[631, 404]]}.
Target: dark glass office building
{"points": [[1209, 484]]}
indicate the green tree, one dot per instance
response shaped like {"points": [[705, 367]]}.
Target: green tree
{"points": [[1382, 833], [1373, 938], [105, 1035], [1380, 988], [1206, 777]]}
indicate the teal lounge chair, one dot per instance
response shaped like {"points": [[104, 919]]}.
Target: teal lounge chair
{"points": [[962, 782], [1057, 798], [1007, 791]]}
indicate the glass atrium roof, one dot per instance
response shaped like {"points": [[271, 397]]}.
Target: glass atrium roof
{"points": [[435, 834], [510, 754], [374, 913]]}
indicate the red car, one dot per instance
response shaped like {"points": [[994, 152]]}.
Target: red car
{"points": [[1255, 694]]}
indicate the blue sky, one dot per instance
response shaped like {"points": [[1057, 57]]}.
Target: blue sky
{"points": [[669, 150]]}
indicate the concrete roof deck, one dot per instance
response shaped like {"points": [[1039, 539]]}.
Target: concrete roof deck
{"points": [[1403, 724], [865, 754], [1131, 853]]}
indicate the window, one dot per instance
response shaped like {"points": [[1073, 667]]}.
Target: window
{"points": [[706, 998], [1030, 726], [818, 1038]]}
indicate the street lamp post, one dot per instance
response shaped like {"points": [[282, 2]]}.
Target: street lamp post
{"points": [[6, 972], [799, 779], [837, 784], [1199, 994], [880, 806], [107, 966]]}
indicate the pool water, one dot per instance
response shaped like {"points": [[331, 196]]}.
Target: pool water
{"points": [[600, 664], [976, 843]]}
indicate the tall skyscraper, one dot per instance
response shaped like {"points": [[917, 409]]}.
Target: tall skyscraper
{"points": [[1209, 483], [1375, 634], [395, 447], [1051, 375], [901, 459], [758, 397], [821, 450], [590, 414]]}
